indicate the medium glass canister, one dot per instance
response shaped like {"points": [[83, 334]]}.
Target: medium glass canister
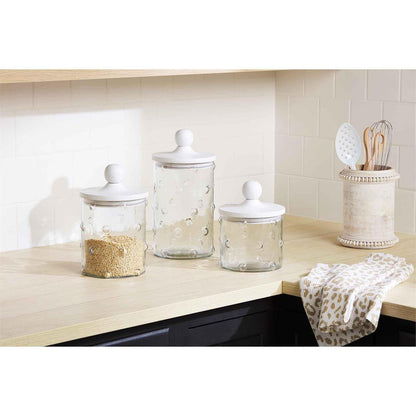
{"points": [[183, 203], [251, 234], [113, 228]]}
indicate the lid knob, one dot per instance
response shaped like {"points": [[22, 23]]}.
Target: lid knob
{"points": [[252, 190], [184, 137], [114, 173]]}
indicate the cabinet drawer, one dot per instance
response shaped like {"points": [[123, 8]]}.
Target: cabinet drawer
{"points": [[159, 337], [252, 329]]}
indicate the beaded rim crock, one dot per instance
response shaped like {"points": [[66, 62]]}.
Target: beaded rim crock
{"points": [[367, 244], [369, 176]]}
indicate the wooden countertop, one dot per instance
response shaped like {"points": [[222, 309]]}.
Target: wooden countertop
{"points": [[45, 300]]}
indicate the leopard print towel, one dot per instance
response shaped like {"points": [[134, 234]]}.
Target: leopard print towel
{"points": [[343, 303]]}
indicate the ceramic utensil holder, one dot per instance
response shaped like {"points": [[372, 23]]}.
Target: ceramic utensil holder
{"points": [[368, 208]]}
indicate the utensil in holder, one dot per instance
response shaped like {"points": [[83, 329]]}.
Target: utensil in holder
{"points": [[368, 208]]}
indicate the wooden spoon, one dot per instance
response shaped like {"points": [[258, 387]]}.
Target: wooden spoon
{"points": [[368, 150]]}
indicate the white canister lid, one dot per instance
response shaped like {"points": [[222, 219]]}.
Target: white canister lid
{"points": [[184, 154], [252, 207], [114, 190]]}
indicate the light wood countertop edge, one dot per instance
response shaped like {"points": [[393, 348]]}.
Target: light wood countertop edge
{"points": [[389, 309], [142, 317]]}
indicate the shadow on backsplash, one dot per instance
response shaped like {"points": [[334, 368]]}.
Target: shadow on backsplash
{"points": [[56, 218]]}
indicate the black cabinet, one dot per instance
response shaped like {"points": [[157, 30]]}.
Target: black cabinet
{"points": [[274, 321]]}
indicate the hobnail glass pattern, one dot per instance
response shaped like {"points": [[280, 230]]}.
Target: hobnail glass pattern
{"points": [[251, 246], [183, 211]]}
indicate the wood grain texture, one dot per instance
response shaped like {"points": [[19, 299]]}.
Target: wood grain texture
{"points": [[45, 300], [44, 75]]}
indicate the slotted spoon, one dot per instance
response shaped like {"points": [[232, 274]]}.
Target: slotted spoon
{"points": [[348, 145]]}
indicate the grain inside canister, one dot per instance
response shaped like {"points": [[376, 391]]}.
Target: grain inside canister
{"points": [[114, 256]]}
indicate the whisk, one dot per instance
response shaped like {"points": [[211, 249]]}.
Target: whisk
{"points": [[380, 144]]}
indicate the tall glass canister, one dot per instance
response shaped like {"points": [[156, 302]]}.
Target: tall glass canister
{"points": [[113, 228], [251, 234], [183, 203]]}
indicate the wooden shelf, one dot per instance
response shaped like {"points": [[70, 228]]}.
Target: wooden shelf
{"points": [[45, 300], [44, 75]]}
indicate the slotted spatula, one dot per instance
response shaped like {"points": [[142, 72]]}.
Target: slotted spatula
{"points": [[348, 145]]}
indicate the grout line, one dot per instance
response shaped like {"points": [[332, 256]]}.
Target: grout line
{"points": [[400, 85], [366, 86], [319, 116], [317, 199]]}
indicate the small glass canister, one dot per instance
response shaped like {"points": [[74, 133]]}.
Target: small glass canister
{"points": [[113, 228], [251, 234], [183, 204]]}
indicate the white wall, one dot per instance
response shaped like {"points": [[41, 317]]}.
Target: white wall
{"points": [[310, 106], [56, 138]]}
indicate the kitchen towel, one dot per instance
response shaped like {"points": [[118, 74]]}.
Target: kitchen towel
{"points": [[343, 303]]}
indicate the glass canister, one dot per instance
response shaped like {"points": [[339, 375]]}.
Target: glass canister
{"points": [[251, 234], [183, 204], [113, 228]]}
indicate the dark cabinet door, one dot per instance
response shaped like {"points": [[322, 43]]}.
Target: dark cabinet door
{"points": [[279, 320], [254, 329], [295, 329], [155, 338]]}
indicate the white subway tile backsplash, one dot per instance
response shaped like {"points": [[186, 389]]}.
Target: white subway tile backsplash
{"points": [[384, 85], [52, 94], [393, 159], [269, 154], [35, 224], [403, 118], [364, 113], [290, 82], [350, 84], [35, 132], [303, 197], [238, 156], [156, 88], [320, 83], [66, 214], [350, 104], [7, 136], [332, 113], [408, 85], [405, 211], [16, 96], [204, 86], [8, 227], [282, 114], [330, 200], [281, 190], [18, 180], [56, 138], [303, 116], [407, 167], [67, 131], [52, 175], [89, 92], [318, 156], [289, 154], [123, 90], [88, 167], [255, 84]]}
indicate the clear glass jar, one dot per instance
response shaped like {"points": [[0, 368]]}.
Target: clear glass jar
{"points": [[251, 233], [251, 246], [183, 201], [113, 233]]}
